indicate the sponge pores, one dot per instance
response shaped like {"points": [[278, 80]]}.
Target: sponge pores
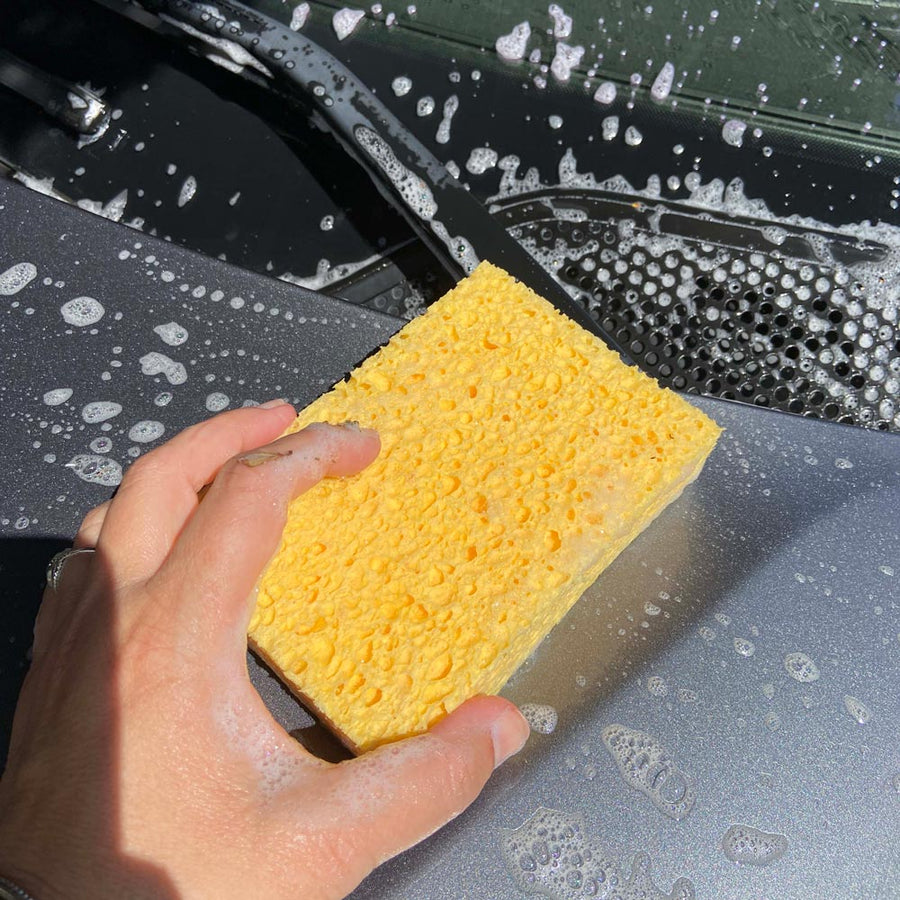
{"points": [[519, 457]]}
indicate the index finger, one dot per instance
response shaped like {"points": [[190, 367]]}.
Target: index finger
{"points": [[234, 533], [159, 491]]}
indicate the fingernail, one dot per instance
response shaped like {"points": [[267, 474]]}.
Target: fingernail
{"points": [[272, 404], [351, 425], [509, 734], [259, 457]]}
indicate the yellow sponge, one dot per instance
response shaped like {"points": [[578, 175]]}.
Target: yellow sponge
{"points": [[519, 457]]}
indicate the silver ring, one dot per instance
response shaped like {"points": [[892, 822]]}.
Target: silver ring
{"points": [[56, 565]]}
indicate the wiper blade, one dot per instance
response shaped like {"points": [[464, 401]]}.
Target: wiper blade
{"points": [[74, 105]]}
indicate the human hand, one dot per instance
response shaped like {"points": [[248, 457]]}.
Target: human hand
{"points": [[143, 763]]}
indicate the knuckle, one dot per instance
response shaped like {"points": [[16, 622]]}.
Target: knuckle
{"points": [[238, 480], [92, 519], [143, 469]]}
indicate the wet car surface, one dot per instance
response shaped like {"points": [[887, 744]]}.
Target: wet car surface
{"points": [[738, 663]]}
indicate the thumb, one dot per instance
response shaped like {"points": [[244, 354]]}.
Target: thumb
{"points": [[415, 786]]}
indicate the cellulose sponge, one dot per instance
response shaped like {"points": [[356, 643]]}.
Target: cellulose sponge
{"points": [[519, 457]]}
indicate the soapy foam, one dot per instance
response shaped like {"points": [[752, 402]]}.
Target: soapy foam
{"points": [[82, 311], [459, 247], [424, 106], [511, 47], [451, 105], [746, 845], [96, 469], [415, 192], [172, 333], [228, 54], [562, 24], [856, 289], [273, 756], [401, 85], [57, 396], [326, 273], [606, 93], [158, 364], [633, 136], [645, 765], [550, 856], [541, 717], [16, 277], [733, 132], [299, 15], [565, 60], [345, 20], [480, 160]]}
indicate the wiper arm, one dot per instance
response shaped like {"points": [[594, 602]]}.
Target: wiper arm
{"points": [[454, 224]]}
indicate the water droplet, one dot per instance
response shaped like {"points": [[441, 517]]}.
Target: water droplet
{"points": [[146, 431], [662, 84], [609, 127], [605, 93], [57, 396], [746, 845], [100, 411], [801, 667], [217, 401], [857, 710], [733, 132], [188, 191]]}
